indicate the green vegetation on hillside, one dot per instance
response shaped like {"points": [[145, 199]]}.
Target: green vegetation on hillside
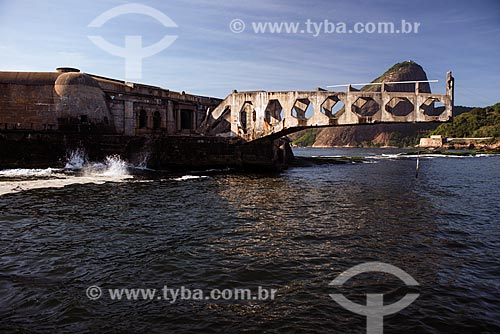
{"points": [[479, 122], [306, 138], [400, 140]]}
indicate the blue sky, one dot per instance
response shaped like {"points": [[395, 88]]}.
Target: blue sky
{"points": [[208, 59]]}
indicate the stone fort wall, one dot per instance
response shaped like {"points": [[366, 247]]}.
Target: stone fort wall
{"points": [[71, 101]]}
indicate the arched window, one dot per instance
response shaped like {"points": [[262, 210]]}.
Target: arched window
{"points": [[156, 120], [143, 119]]}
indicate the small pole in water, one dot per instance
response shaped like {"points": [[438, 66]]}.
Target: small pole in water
{"points": [[416, 168]]}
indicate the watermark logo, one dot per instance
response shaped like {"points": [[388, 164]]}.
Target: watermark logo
{"points": [[133, 52], [237, 26], [93, 292], [374, 310]]}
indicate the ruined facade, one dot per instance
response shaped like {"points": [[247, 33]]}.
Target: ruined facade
{"points": [[258, 114], [68, 100]]}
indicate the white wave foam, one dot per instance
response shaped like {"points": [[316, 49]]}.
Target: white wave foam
{"points": [[22, 172], [409, 156], [434, 156], [217, 170], [114, 169], [427, 156], [486, 155], [328, 156], [390, 156], [190, 177], [143, 181]]}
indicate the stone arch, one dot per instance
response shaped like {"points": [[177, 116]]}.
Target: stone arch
{"points": [[302, 109], [399, 106], [331, 106], [274, 112], [365, 106], [246, 115], [432, 107]]}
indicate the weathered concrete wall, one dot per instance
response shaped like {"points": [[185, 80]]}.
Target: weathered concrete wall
{"points": [[27, 101], [71, 101], [181, 152]]}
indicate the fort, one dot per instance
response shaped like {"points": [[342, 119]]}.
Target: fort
{"points": [[68, 100], [43, 115]]}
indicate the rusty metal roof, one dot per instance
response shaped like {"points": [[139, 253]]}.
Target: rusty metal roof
{"points": [[28, 78]]}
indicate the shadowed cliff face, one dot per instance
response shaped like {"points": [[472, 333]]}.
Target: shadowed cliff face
{"points": [[379, 134]]}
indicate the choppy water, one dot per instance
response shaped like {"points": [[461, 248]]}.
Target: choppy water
{"points": [[294, 232]]}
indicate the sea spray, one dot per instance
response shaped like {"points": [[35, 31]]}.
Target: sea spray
{"points": [[76, 159], [115, 166], [144, 162]]}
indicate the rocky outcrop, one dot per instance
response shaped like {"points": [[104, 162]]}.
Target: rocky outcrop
{"points": [[370, 135]]}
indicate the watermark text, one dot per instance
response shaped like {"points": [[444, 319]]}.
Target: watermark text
{"points": [[325, 27], [173, 295]]}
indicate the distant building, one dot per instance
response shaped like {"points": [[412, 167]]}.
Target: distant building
{"points": [[433, 141]]}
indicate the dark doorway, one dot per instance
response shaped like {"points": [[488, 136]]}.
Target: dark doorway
{"points": [[156, 120], [186, 119], [143, 119]]}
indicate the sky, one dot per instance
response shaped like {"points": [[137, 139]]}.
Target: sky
{"points": [[208, 58]]}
